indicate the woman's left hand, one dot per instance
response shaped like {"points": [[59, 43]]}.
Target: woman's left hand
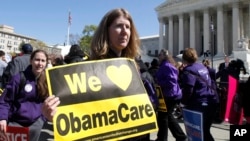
{"points": [[49, 107]]}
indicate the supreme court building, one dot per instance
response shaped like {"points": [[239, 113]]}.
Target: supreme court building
{"points": [[214, 25]]}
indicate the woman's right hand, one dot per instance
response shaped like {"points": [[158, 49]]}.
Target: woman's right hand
{"points": [[50, 106], [3, 126]]}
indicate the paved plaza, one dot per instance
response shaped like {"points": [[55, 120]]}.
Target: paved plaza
{"points": [[219, 131]]}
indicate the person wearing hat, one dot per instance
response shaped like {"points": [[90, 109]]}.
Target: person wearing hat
{"points": [[76, 54], [19, 63]]}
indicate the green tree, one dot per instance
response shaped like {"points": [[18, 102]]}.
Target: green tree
{"points": [[88, 33], [74, 39], [38, 45], [20, 46]]}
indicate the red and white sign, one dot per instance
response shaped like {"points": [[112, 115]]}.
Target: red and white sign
{"points": [[15, 134]]}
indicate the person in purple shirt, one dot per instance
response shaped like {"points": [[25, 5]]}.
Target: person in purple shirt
{"points": [[21, 101], [198, 94], [167, 79]]}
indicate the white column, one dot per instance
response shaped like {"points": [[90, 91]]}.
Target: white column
{"points": [[242, 31], [192, 30], [170, 34], [249, 20], [181, 33], [161, 34], [186, 31], [236, 25], [165, 39], [220, 31], [227, 38], [206, 30]]}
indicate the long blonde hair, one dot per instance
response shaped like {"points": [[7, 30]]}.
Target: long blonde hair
{"points": [[100, 42], [168, 57]]}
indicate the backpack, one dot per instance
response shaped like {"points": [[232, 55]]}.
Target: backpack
{"points": [[21, 84], [7, 75], [22, 80], [151, 93]]}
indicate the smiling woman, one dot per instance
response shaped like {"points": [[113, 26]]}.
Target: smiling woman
{"points": [[21, 104], [38, 62]]}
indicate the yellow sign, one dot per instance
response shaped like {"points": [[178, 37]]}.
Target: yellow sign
{"points": [[100, 100], [1, 91], [162, 104]]}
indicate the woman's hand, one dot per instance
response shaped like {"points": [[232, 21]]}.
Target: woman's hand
{"points": [[3, 126], [50, 106]]}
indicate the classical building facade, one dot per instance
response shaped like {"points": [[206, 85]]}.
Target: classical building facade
{"points": [[214, 25], [10, 41]]}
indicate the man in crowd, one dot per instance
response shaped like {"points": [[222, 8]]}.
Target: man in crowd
{"points": [[18, 64]]}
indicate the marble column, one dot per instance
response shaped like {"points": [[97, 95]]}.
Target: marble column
{"points": [[206, 30], [248, 20], [170, 34], [161, 34], [165, 39], [192, 30], [241, 19], [186, 31], [220, 31], [181, 33], [236, 25], [227, 33]]}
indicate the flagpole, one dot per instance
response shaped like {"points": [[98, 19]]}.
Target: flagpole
{"points": [[68, 35], [69, 24]]}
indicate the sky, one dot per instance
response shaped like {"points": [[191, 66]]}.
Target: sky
{"points": [[47, 20]]}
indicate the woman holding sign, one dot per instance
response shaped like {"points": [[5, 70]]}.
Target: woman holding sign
{"points": [[115, 37], [21, 101]]}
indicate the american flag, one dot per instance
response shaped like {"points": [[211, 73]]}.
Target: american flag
{"points": [[69, 20]]}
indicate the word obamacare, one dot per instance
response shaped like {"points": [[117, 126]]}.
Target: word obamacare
{"points": [[122, 114]]}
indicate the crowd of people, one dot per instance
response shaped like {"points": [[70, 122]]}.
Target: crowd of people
{"points": [[25, 101]]}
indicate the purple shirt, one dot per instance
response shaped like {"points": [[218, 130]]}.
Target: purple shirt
{"points": [[201, 90], [167, 78], [23, 107]]}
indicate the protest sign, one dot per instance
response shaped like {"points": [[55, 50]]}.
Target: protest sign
{"points": [[162, 104], [15, 134], [234, 111], [100, 100], [193, 124]]}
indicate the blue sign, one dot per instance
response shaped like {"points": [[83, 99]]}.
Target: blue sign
{"points": [[193, 124]]}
